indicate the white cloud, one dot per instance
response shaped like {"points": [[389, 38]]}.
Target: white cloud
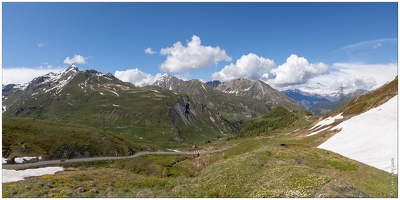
{"points": [[149, 51], [248, 66], [382, 73], [193, 56], [21, 75], [352, 76], [136, 77], [295, 71], [41, 44], [77, 59]]}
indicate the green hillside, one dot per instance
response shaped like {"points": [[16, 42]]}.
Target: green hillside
{"points": [[148, 115], [52, 140], [282, 166]]}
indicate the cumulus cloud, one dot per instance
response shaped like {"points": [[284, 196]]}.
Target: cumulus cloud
{"points": [[21, 75], [77, 59], [136, 77], [193, 56], [248, 66], [295, 71], [149, 51]]}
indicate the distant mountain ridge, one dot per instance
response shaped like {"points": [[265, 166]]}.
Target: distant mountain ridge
{"points": [[239, 98], [257, 90], [321, 108], [305, 99]]}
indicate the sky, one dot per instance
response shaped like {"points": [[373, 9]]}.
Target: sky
{"points": [[315, 47]]}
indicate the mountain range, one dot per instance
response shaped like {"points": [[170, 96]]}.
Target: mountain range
{"points": [[237, 100], [100, 100]]}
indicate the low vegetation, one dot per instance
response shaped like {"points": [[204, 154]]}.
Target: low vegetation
{"points": [[253, 167], [52, 140]]}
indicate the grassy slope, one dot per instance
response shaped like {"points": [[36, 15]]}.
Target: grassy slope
{"points": [[273, 164], [51, 139]]}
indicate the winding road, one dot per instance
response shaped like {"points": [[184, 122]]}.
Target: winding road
{"points": [[53, 162]]}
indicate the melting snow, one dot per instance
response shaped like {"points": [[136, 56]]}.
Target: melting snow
{"points": [[21, 87], [115, 93], [21, 160], [13, 175], [370, 137], [327, 121], [316, 132]]}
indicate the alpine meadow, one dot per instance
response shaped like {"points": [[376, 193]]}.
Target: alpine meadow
{"points": [[263, 100]]}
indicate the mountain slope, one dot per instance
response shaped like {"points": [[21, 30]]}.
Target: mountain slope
{"points": [[257, 90], [234, 108], [366, 130], [238, 100], [148, 115], [370, 137]]}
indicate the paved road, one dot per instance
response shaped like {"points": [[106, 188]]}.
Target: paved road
{"points": [[53, 162]]}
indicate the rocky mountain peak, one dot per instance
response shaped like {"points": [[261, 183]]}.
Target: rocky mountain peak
{"points": [[167, 81]]}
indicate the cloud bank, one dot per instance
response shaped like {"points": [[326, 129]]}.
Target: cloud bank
{"points": [[193, 56], [136, 77], [21, 75]]}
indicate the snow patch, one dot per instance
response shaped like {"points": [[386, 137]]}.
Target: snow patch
{"points": [[370, 137], [203, 87], [327, 121], [115, 93], [14, 175], [319, 131], [21, 159], [101, 93]]}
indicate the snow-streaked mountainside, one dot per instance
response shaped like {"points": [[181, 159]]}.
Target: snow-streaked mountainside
{"points": [[370, 137], [256, 90], [304, 98], [237, 100], [320, 104]]}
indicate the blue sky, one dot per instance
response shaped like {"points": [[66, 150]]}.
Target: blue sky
{"points": [[287, 45]]}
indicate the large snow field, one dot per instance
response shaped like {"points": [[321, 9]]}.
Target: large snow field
{"points": [[370, 137], [14, 175]]}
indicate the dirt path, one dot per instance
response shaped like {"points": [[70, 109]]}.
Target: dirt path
{"points": [[56, 162]]}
